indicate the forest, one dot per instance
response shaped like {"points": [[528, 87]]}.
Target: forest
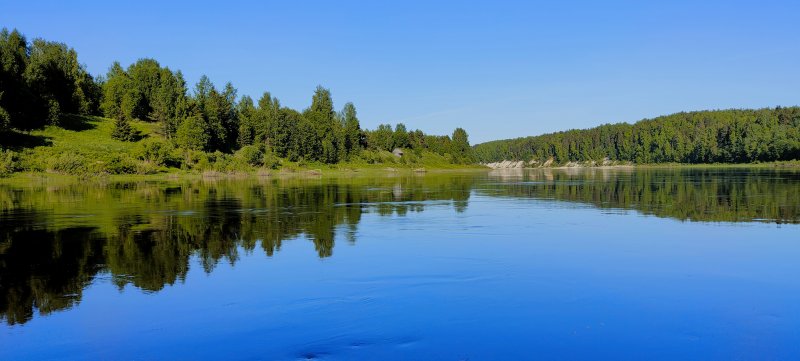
{"points": [[44, 86], [716, 136]]}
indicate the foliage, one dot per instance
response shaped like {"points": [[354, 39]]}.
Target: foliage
{"points": [[461, 151], [251, 155], [8, 162], [120, 164], [193, 134], [720, 136], [40, 81], [69, 163], [123, 131], [146, 91], [158, 152]]}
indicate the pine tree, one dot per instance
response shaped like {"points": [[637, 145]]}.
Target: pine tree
{"points": [[123, 131]]}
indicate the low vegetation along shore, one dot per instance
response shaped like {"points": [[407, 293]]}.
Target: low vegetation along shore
{"points": [[83, 146]]}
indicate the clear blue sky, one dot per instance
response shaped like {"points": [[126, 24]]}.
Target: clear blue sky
{"points": [[497, 69]]}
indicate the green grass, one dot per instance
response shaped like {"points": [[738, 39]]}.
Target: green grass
{"points": [[79, 146], [83, 146]]}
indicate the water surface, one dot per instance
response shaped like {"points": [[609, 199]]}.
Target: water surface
{"points": [[534, 264]]}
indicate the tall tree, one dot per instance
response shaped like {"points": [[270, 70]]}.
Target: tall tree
{"points": [[193, 133], [168, 103], [114, 91], [461, 149], [266, 118], [145, 79], [59, 82], [400, 136], [323, 120], [17, 99], [352, 130], [247, 114]]}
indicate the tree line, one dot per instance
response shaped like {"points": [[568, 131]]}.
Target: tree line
{"points": [[717, 136], [41, 81]]}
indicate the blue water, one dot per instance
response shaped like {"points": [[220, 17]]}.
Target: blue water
{"points": [[502, 277]]}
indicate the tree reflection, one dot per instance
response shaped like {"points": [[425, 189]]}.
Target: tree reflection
{"points": [[54, 241], [693, 194]]}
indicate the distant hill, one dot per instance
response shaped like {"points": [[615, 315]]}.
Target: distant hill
{"points": [[715, 136]]}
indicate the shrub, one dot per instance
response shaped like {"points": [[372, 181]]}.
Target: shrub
{"points": [[270, 160], [120, 164], [199, 160], [69, 163], [8, 162], [158, 152], [251, 154]]}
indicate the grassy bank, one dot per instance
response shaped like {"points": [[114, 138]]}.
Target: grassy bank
{"points": [[83, 147]]}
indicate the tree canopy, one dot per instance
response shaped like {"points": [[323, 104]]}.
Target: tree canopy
{"points": [[41, 81], [718, 136]]}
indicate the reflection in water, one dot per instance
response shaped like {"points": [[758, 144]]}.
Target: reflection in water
{"points": [[56, 240], [694, 194]]}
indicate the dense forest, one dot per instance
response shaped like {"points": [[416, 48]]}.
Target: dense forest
{"points": [[719, 136], [42, 84]]}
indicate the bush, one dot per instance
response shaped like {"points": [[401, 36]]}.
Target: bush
{"points": [[8, 162], [250, 154], [69, 163], [120, 164], [220, 161], [198, 160], [158, 152], [271, 160]]}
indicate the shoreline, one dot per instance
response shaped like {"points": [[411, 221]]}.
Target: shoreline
{"points": [[304, 173], [574, 165], [317, 173]]}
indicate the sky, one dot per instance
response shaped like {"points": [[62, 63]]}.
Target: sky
{"points": [[499, 69]]}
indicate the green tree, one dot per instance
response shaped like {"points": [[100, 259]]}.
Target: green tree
{"points": [[400, 137], [123, 131], [114, 90], [353, 141], [248, 121], [145, 79], [461, 148], [381, 138], [193, 133], [266, 118], [17, 101], [323, 120]]}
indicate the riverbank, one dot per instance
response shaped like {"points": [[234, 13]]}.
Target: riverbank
{"points": [[83, 147], [21, 178], [506, 164]]}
